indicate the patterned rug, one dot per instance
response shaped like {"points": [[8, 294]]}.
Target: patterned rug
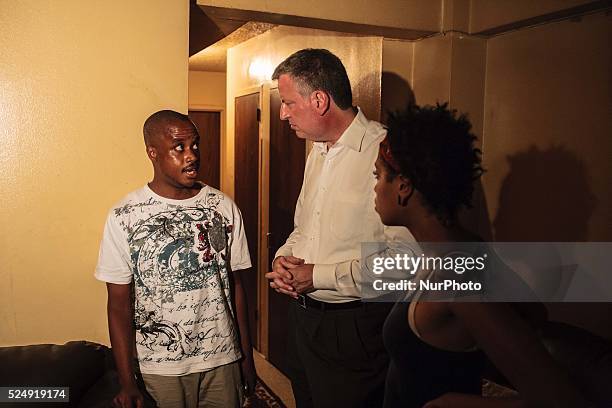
{"points": [[263, 397]]}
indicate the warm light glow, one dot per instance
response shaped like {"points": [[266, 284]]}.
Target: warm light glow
{"points": [[260, 69]]}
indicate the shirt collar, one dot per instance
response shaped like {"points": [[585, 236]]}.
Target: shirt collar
{"points": [[352, 137]]}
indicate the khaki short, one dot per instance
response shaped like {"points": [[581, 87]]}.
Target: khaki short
{"points": [[220, 387]]}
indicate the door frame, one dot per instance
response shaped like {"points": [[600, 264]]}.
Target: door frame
{"points": [[264, 215], [263, 218], [261, 342]]}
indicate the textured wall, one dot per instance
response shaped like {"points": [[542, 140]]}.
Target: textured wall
{"points": [[540, 101], [547, 104], [207, 89], [396, 82], [77, 80], [547, 145]]}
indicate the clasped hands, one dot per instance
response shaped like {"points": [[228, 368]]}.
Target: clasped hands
{"points": [[291, 276]]}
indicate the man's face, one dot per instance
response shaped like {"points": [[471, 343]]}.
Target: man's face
{"points": [[298, 110], [177, 155]]}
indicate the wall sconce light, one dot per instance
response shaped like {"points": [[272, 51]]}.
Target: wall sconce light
{"points": [[260, 69]]}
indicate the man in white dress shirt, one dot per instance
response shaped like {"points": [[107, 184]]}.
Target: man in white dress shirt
{"points": [[335, 350]]}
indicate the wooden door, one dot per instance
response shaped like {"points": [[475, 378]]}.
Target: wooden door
{"points": [[246, 190], [209, 128], [287, 160]]}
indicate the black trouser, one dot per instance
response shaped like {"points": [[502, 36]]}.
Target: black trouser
{"points": [[337, 358]]}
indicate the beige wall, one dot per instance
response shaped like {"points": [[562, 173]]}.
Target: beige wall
{"points": [[451, 68], [548, 96], [540, 101], [443, 68], [547, 148], [485, 14], [362, 57], [432, 69], [546, 90], [207, 89], [397, 75], [77, 80]]}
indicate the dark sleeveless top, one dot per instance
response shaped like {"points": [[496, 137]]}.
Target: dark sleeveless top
{"points": [[419, 372]]}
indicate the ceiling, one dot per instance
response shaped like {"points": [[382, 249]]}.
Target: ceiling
{"points": [[213, 58]]}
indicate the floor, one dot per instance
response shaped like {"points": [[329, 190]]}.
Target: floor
{"points": [[274, 379]]}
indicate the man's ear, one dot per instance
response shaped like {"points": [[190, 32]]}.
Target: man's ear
{"points": [[152, 153], [321, 101]]}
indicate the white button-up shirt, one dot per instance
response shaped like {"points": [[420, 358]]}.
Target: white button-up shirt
{"points": [[335, 211]]}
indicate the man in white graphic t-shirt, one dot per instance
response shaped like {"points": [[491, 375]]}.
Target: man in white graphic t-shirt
{"points": [[179, 246]]}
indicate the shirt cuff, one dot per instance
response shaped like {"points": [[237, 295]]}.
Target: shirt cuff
{"points": [[324, 276], [282, 251]]}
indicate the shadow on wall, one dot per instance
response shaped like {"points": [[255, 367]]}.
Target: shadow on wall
{"points": [[396, 93], [545, 197], [476, 219]]}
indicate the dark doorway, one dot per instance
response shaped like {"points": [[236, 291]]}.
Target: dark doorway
{"points": [[287, 160], [209, 127], [246, 191]]}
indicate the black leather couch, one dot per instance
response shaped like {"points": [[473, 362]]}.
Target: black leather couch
{"points": [[87, 368]]}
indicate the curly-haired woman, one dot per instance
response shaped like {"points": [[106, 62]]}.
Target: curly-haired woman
{"points": [[425, 173]]}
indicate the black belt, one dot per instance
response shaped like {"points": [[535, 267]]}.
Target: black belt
{"points": [[309, 303]]}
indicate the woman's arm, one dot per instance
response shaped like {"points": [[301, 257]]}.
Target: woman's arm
{"points": [[518, 353]]}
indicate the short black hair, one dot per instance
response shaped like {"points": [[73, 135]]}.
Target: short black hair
{"points": [[157, 123], [318, 69], [435, 150]]}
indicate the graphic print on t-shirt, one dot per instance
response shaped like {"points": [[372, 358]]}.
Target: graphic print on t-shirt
{"points": [[180, 259]]}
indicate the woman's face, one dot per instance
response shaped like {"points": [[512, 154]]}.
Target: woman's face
{"points": [[387, 190]]}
